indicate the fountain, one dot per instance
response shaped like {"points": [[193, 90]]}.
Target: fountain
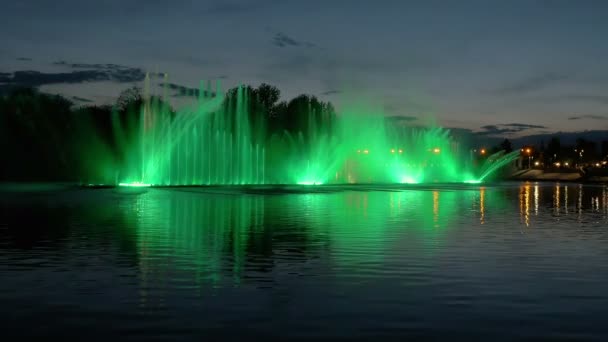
{"points": [[222, 139]]}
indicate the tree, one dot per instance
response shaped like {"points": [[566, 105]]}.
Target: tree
{"points": [[267, 96], [129, 98], [553, 149], [506, 146]]}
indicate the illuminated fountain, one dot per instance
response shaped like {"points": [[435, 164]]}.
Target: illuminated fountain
{"points": [[222, 140]]}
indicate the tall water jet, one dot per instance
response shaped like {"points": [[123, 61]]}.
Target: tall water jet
{"points": [[222, 139]]}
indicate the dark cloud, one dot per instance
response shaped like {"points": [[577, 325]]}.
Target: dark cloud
{"points": [[588, 116], [81, 99], [331, 92], [533, 83], [181, 90], [507, 129], [522, 126], [113, 72], [282, 40], [25, 59], [82, 73], [31, 78]]}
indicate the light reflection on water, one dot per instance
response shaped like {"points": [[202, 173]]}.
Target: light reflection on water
{"points": [[520, 260]]}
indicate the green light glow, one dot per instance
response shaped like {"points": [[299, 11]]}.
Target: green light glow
{"points": [[408, 180], [135, 185], [311, 182], [217, 141], [211, 236], [472, 181]]}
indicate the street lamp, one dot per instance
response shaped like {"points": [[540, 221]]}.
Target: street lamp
{"points": [[529, 153]]}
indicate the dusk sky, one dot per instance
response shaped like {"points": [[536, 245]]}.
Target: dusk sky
{"points": [[518, 67]]}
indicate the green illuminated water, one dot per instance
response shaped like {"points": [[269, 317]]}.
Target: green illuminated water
{"points": [[222, 139]]}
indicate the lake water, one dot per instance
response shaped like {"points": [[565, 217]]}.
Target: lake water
{"points": [[508, 261]]}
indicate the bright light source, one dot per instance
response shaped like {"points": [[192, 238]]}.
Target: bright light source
{"points": [[597, 164], [558, 164], [393, 150], [566, 164], [483, 151], [472, 181], [536, 163], [309, 183], [528, 150], [400, 151], [366, 151], [436, 150], [408, 180], [135, 184]]}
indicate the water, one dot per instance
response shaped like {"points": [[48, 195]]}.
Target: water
{"points": [[507, 261], [223, 139]]}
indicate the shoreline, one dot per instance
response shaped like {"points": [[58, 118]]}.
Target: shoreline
{"points": [[542, 175]]}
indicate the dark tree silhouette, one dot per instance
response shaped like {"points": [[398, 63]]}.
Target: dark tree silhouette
{"points": [[505, 145]]}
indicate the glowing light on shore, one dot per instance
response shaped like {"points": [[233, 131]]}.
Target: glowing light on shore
{"points": [[311, 182], [135, 185], [408, 180]]}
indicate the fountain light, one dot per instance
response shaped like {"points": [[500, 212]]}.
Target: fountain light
{"points": [[135, 184], [408, 180], [310, 182]]}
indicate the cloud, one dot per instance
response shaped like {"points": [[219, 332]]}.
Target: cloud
{"points": [[533, 83], [82, 73], [25, 59], [282, 40], [331, 92], [114, 72], [507, 129], [523, 126], [588, 116], [181, 90], [81, 99], [31, 78]]}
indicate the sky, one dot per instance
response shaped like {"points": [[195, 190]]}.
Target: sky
{"points": [[502, 68]]}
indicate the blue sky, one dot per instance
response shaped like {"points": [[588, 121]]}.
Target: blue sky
{"points": [[512, 67]]}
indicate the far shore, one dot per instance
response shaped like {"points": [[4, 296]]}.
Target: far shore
{"points": [[559, 176]]}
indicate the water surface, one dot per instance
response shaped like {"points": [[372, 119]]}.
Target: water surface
{"points": [[511, 261]]}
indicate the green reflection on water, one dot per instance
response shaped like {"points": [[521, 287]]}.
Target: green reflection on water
{"points": [[215, 237]]}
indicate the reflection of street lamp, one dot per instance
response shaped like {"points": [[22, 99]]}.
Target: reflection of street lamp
{"points": [[529, 153]]}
